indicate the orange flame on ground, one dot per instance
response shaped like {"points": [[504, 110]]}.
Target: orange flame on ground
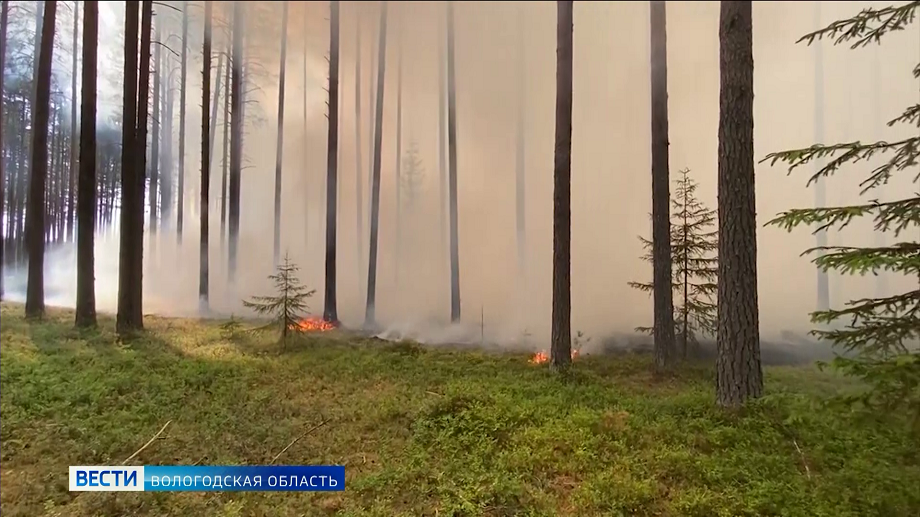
{"points": [[314, 323], [543, 357]]}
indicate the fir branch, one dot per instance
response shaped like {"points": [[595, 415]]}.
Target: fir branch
{"points": [[902, 257], [892, 215], [866, 27]]}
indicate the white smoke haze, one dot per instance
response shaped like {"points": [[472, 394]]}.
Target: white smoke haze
{"points": [[611, 190]]}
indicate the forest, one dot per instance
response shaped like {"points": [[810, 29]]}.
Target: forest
{"points": [[241, 231]]}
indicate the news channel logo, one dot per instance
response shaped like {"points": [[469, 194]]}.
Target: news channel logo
{"points": [[199, 478]]}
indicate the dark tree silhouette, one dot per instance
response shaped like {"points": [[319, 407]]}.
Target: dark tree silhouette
{"points": [[35, 212], [661, 226], [739, 376], [330, 312], [452, 170], [153, 188], [236, 138], [280, 146], [86, 195], [72, 171], [371, 300], [561, 345], [203, 259]]}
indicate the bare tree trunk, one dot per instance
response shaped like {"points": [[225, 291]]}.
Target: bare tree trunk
{"points": [[86, 226], [72, 173], [153, 191], [662, 284], [370, 308], [4, 25], [236, 135], [359, 168], [166, 174], [738, 370], [452, 171], [183, 76], [399, 76], [330, 312], [205, 162], [215, 104], [823, 286], [370, 135], [279, 152], [35, 212], [226, 157], [561, 346]]}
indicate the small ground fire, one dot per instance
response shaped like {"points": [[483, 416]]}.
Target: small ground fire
{"points": [[314, 324], [543, 357]]}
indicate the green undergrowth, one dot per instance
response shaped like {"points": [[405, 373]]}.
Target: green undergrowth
{"points": [[424, 431]]}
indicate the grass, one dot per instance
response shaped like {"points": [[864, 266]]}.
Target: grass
{"points": [[425, 431]]}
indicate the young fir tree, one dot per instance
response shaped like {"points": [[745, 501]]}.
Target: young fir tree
{"points": [[694, 245], [287, 306], [879, 333]]}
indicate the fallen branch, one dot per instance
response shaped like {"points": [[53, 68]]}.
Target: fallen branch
{"points": [[295, 440], [131, 457], [805, 463]]}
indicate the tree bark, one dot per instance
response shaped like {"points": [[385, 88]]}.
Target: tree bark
{"points": [[226, 158], [203, 259], [35, 212], [370, 320], [279, 151], [72, 172], [662, 284], [561, 346], [330, 311], [452, 171], [4, 25], [183, 76], [153, 189], [739, 376], [236, 135], [86, 195]]}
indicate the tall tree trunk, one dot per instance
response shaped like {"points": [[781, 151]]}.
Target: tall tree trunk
{"points": [[35, 213], [4, 25], [183, 76], [452, 171], [226, 152], [86, 226], [359, 168], [166, 174], [520, 177], [279, 151], [236, 135], [153, 191], [561, 345], [215, 104], [399, 76], [370, 307], [823, 285], [739, 376], [330, 311], [205, 161], [370, 134], [72, 172], [662, 284]]}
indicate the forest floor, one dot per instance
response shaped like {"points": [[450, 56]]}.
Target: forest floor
{"points": [[425, 431]]}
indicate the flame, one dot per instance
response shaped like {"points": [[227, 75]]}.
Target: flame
{"points": [[543, 357], [314, 323]]}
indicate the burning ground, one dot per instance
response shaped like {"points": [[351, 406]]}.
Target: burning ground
{"points": [[426, 430]]}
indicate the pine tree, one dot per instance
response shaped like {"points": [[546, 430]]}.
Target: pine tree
{"points": [[289, 303], [694, 246], [881, 333]]}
